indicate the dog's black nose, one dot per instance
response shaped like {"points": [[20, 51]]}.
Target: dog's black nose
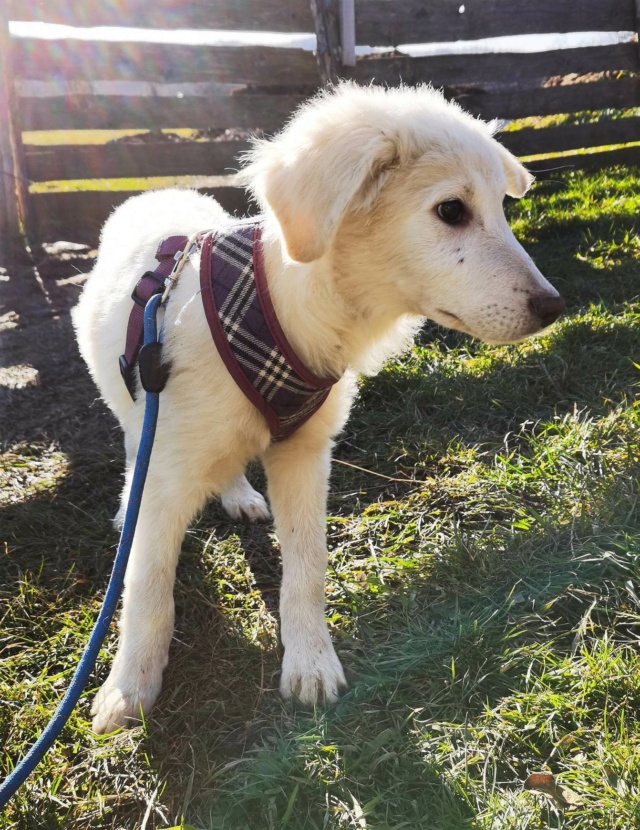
{"points": [[547, 308]]}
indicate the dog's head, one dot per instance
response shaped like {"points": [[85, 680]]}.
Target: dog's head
{"points": [[404, 187]]}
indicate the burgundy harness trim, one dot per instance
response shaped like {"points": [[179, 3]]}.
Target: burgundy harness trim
{"points": [[249, 338], [150, 283], [243, 324]]}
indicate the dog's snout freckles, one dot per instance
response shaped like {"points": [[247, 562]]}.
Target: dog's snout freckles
{"points": [[547, 308]]}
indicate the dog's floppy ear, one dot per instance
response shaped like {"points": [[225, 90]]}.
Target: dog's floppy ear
{"points": [[519, 180], [312, 172]]}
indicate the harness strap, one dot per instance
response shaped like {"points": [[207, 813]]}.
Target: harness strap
{"points": [[150, 283], [242, 320], [245, 329]]}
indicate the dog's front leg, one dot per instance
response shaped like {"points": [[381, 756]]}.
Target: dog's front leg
{"points": [[298, 473]]}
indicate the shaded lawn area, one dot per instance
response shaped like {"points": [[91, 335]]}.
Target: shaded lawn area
{"points": [[483, 598]]}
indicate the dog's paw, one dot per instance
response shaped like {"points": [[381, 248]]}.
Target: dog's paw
{"points": [[312, 675], [123, 702], [243, 503]]}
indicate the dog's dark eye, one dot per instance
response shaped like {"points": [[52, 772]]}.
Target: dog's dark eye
{"points": [[451, 212]]}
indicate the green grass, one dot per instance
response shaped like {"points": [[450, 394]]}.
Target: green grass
{"points": [[572, 118], [84, 137], [484, 597], [53, 137], [119, 185]]}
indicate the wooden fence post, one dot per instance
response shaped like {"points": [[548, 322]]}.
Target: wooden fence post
{"points": [[348, 32], [14, 191], [326, 16]]}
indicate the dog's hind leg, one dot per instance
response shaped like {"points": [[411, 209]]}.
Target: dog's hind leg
{"points": [[146, 621], [131, 450], [298, 473], [178, 483], [241, 501]]}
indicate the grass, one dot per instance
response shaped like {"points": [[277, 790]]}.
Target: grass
{"points": [[44, 138], [571, 119], [120, 185], [585, 151], [84, 137], [484, 597]]}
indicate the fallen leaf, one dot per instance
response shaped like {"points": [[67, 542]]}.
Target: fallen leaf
{"points": [[562, 797]]}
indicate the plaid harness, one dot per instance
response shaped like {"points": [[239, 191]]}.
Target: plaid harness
{"points": [[243, 324]]}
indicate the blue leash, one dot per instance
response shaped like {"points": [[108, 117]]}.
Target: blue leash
{"points": [[62, 714]]}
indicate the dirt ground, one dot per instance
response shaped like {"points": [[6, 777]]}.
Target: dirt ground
{"points": [[46, 394]]}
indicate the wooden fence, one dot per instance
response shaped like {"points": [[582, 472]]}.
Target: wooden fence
{"points": [[87, 85]]}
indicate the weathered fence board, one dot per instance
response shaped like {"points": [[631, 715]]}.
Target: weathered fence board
{"points": [[72, 60], [266, 67], [504, 86], [253, 15], [210, 158], [378, 22], [389, 22], [79, 216], [518, 68], [522, 102], [128, 159], [269, 112], [529, 142], [115, 112], [269, 67]]}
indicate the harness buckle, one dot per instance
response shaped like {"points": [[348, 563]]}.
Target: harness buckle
{"points": [[158, 290], [128, 376], [180, 258]]}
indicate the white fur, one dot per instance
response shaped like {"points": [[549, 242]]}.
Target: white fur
{"points": [[356, 256], [241, 501]]}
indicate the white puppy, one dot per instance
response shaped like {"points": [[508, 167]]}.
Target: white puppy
{"points": [[381, 208]]}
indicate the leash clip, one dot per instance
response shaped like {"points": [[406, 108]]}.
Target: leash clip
{"points": [[154, 374], [180, 259]]}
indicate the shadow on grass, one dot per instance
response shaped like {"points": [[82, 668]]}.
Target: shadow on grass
{"points": [[419, 655], [62, 473]]}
